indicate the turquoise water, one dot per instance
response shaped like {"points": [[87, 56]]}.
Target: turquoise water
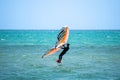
{"points": [[93, 55]]}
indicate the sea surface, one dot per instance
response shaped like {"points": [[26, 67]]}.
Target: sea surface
{"points": [[93, 55]]}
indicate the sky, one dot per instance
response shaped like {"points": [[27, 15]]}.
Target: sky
{"points": [[54, 14]]}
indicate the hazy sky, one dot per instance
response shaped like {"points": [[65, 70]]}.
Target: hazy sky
{"points": [[54, 14]]}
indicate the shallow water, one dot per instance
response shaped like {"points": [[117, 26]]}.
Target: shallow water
{"points": [[93, 55]]}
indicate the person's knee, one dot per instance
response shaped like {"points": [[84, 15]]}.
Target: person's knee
{"points": [[60, 55]]}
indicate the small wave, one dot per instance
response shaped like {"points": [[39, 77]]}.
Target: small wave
{"points": [[108, 36], [2, 39]]}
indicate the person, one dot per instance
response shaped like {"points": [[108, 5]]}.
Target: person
{"points": [[65, 49]]}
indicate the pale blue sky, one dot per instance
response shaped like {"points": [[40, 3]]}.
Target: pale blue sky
{"points": [[53, 14]]}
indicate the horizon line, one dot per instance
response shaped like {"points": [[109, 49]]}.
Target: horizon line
{"points": [[59, 29]]}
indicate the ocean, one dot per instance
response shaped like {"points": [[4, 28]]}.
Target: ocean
{"points": [[93, 55]]}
